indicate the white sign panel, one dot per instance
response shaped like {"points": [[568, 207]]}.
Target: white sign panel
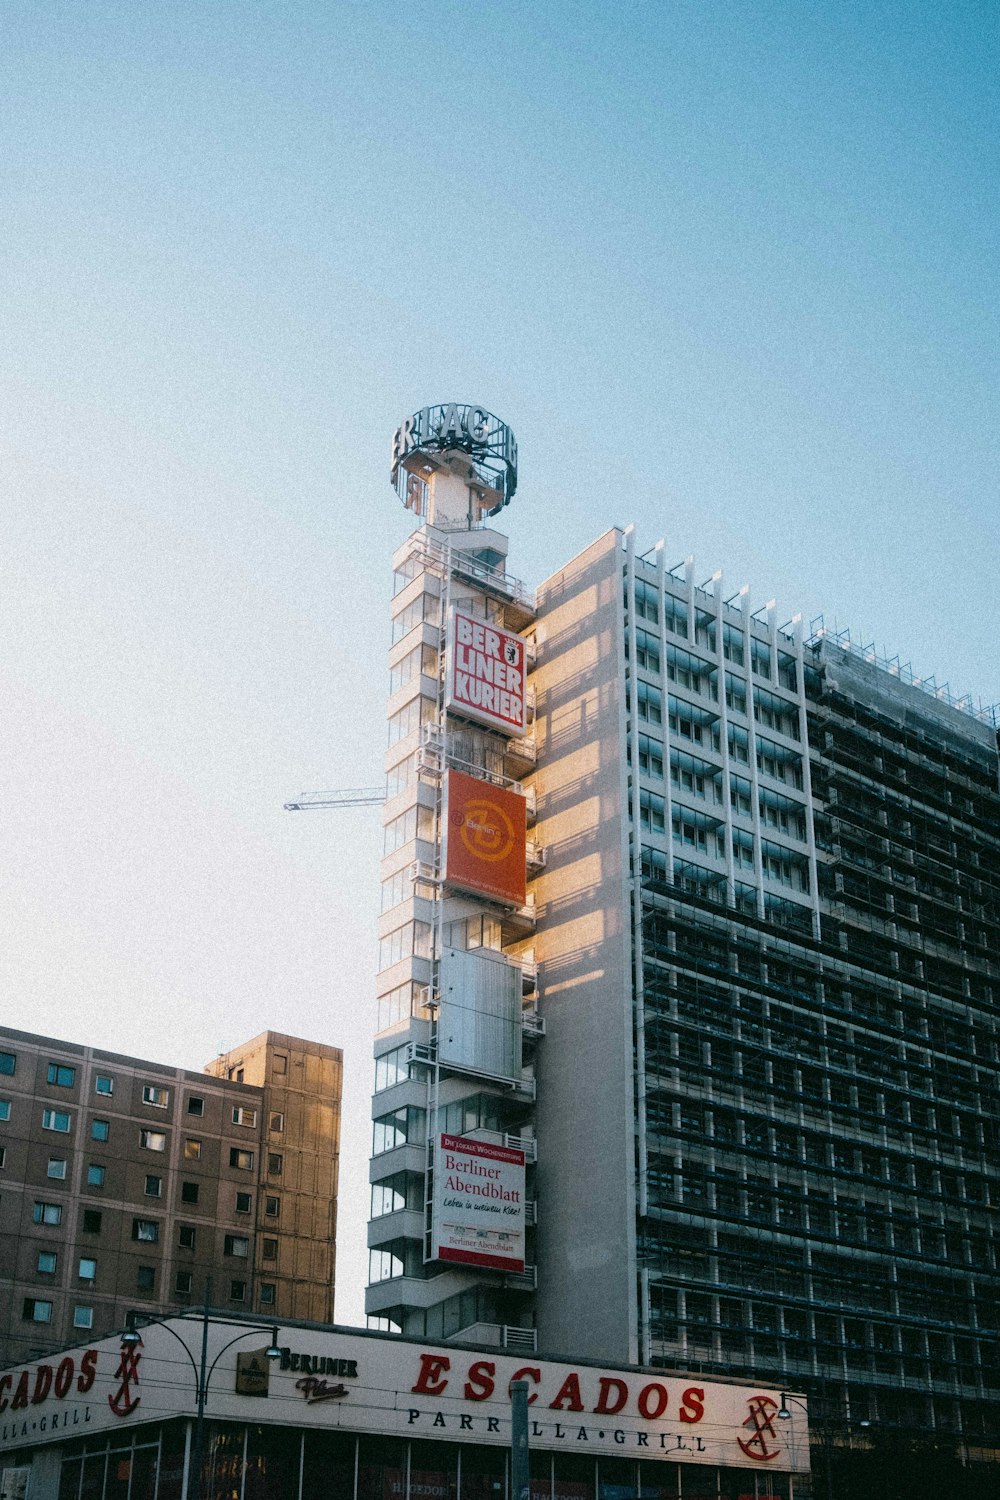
{"points": [[367, 1383], [479, 1021], [486, 674], [477, 1217]]}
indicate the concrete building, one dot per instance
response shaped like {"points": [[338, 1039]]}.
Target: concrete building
{"points": [[128, 1185], [765, 911]]}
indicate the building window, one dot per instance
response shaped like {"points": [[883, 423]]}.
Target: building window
{"points": [[100, 1130], [189, 1192], [272, 1206], [91, 1221], [183, 1282], [267, 1290], [61, 1076], [47, 1213], [83, 1317], [244, 1116], [152, 1140], [154, 1185], [145, 1278], [195, 1104], [237, 1244], [3, 1156], [56, 1119], [35, 1311], [277, 1122], [154, 1095], [8, 1062], [46, 1263], [237, 1291], [145, 1230], [4, 1109], [244, 1203], [241, 1159], [103, 1084], [192, 1149], [56, 1168], [279, 1064], [95, 1175], [186, 1237], [275, 1163], [270, 1249], [87, 1270]]}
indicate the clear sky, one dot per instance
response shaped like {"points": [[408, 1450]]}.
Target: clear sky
{"points": [[728, 269]]}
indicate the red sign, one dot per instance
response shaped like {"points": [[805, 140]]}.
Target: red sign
{"points": [[487, 674], [485, 837]]}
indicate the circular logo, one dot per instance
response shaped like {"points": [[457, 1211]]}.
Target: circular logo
{"points": [[762, 1444], [486, 830]]}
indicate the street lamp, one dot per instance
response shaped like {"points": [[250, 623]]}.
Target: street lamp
{"points": [[785, 1415], [202, 1371]]}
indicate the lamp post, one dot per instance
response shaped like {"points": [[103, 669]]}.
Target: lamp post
{"points": [[520, 1482], [785, 1415], [202, 1372]]}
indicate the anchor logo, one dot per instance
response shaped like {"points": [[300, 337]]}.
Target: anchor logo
{"points": [[760, 1424], [121, 1401]]}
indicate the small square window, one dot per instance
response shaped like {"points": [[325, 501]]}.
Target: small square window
{"points": [[276, 1123], [56, 1119], [95, 1175], [275, 1163], [87, 1270], [244, 1203], [145, 1230], [47, 1213], [3, 1156], [62, 1077], [270, 1249], [237, 1291], [183, 1283], [279, 1064], [189, 1192], [35, 1311], [158, 1097], [145, 1278], [241, 1159], [238, 1245], [8, 1062], [244, 1116], [100, 1130], [46, 1263], [267, 1289], [154, 1185], [83, 1317], [186, 1236], [4, 1109], [103, 1084], [91, 1221], [195, 1106], [56, 1168], [192, 1149], [272, 1206], [152, 1140]]}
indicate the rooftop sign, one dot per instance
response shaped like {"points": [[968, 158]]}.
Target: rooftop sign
{"points": [[450, 427]]}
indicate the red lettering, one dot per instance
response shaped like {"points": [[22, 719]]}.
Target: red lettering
{"points": [[479, 1385], [604, 1407], [21, 1394], [429, 1383], [522, 1374], [5, 1381], [88, 1371], [649, 1394], [64, 1376], [692, 1404], [568, 1397], [43, 1384]]}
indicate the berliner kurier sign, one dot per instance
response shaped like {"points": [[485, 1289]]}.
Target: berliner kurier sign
{"points": [[366, 1384]]}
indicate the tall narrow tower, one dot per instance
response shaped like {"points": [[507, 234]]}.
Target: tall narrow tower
{"points": [[452, 1217]]}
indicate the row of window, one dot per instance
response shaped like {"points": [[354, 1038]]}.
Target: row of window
{"points": [[40, 1309], [61, 1122]]}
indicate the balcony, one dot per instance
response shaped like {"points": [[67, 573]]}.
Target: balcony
{"points": [[521, 756], [525, 1143], [498, 1336], [532, 1024], [535, 856], [521, 1281]]}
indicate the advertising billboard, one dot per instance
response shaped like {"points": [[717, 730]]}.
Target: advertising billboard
{"points": [[477, 1215], [487, 674], [485, 838]]}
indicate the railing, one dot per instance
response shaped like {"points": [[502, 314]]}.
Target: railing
{"points": [[502, 1335]]}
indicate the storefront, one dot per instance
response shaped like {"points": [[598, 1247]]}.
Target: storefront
{"points": [[302, 1412]]}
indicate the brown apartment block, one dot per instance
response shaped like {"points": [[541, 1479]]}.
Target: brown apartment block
{"points": [[126, 1184]]}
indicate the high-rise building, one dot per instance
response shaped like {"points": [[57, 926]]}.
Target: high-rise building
{"points": [[763, 921], [129, 1185]]}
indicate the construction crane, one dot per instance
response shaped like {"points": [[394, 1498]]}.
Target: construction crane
{"points": [[364, 796]]}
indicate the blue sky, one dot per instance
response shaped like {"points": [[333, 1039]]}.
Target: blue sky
{"points": [[729, 270]]}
